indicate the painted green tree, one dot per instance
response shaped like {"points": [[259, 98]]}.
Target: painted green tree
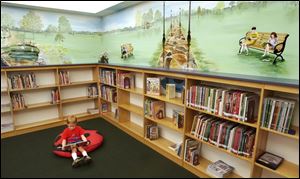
{"points": [[7, 21], [31, 22], [64, 25]]}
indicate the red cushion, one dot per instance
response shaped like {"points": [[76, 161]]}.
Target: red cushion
{"points": [[93, 137]]}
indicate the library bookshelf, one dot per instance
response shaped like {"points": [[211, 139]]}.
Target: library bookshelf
{"points": [[120, 100]]}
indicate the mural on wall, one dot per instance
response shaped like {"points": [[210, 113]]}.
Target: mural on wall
{"points": [[33, 37], [220, 33], [222, 36]]}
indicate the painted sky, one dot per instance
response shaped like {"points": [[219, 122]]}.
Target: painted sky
{"points": [[78, 22]]}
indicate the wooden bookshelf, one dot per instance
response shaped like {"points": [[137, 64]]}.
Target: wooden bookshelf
{"points": [[134, 90], [296, 136], [124, 106], [164, 144], [286, 169], [132, 127], [79, 83], [37, 105], [177, 101], [167, 122], [133, 108], [83, 98], [203, 164], [37, 88]]}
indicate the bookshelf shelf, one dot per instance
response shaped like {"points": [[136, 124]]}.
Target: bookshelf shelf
{"points": [[37, 105], [111, 85], [177, 101], [84, 98], [254, 125], [203, 164], [109, 115], [168, 122], [286, 169], [296, 136], [37, 88], [164, 144], [108, 101], [138, 130], [78, 83], [37, 124], [132, 108], [139, 91], [220, 149], [4, 90]]}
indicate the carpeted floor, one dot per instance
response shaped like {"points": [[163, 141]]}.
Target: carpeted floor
{"points": [[30, 155]]}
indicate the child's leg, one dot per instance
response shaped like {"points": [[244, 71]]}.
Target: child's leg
{"points": [[74, 153], [81, 149]]}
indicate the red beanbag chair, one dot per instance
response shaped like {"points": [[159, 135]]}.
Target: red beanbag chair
{"points": [[94, 138]]}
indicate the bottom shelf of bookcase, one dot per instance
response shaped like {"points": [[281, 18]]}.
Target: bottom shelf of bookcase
{"points": [[286, 169], [164, 144], [203, 164], [38, 124], [132, 127]]}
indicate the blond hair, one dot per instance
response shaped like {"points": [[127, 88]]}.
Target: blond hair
{"points": [[71, 120]]}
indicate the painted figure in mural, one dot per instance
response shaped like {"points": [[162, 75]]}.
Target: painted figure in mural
{"points": [[270, 45], [251, 38], [126, 50], [103, 58]]}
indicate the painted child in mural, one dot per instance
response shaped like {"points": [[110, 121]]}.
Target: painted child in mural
{"points": [[270, 45], [72, 134], [251, 38]]}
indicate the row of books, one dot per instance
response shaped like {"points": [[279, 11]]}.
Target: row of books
{"points": [[219, 169], [55, 97], [152, 131], [126, 80], [18, 101], [104, 107], [109, 93], [108, 76], [233, 137], [92, 91], [278, 114], [192, 151], [64, 77], [21, 81], [240, 105], [154, 109]]}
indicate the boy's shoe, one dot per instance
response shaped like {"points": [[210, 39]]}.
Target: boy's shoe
{"points": [[87, 159], [77, 162]]}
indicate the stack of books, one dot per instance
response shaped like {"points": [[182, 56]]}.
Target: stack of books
{"points": [[92, 91], [178, 118], [18, 101], [219, 169], [55, 97], [176, 148], [108, 76], [152, 131], [192, 151], [155, 109]]}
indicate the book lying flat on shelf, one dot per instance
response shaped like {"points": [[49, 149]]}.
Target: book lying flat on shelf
{"points": [[270, 160], [219, 169], [93, 110]]}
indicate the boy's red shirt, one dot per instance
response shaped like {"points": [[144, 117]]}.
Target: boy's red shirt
{"points": [[72, 135]]}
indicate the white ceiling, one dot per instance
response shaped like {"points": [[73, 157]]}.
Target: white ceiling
{"points": [[79, 6]]}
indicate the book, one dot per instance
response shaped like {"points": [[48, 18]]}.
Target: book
{"points": [[178, 118], [153, 86], [170, 91], [158, 109], [219, 169], [104, 107], [270, 160]]}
